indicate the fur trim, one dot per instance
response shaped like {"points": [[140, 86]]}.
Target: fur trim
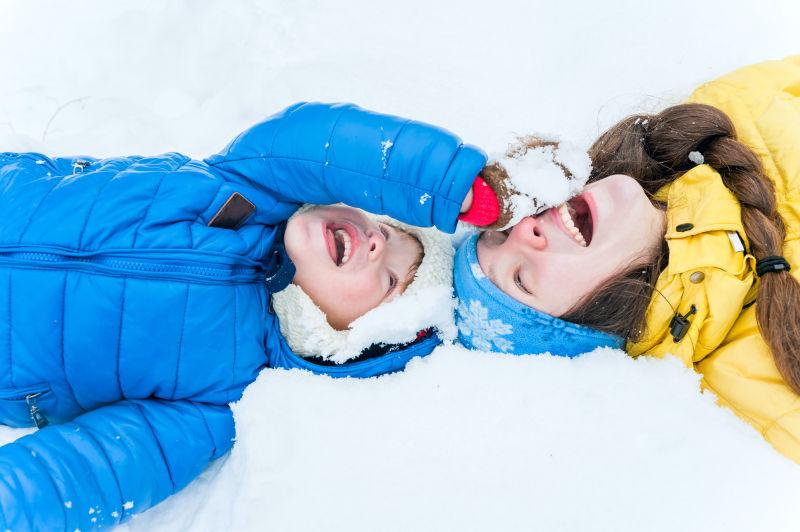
{"points": [[427, 302]]}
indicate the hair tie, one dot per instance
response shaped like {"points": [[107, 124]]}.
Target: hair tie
{"points": [[771, 264]]}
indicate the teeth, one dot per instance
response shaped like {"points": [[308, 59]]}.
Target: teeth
{"points": [[345, 238], [565, 211]]}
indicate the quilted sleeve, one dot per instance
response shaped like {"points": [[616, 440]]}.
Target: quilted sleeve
{"points": [[108, 464], [330, 153]]}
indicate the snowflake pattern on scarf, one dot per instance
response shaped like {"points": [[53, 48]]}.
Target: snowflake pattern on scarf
{"points": [[474, 321]]}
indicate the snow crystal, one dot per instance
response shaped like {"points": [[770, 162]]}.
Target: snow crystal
{"points": [[425, 197], [386, 145], [68, 504], [476, 271], [39, 161], [486, 334], [696, 157], [128, 505], [115, 514], [91, 510]]}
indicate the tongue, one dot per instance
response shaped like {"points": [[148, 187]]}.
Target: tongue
{"points": [[339, 242]]}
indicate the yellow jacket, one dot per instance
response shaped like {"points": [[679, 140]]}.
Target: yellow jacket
{"points": [[707, 269]]}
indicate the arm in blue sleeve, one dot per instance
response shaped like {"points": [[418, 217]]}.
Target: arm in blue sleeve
{"points": [[330, 153], [108, 464]]}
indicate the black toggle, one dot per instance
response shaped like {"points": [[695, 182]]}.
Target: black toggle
{"points": [[679, 325]]}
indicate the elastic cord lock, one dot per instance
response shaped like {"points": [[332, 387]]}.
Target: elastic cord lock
{"points": [[771, 264]]}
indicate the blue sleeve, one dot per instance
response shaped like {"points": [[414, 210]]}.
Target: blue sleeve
{"points": [[331, 153], [108, 464]]}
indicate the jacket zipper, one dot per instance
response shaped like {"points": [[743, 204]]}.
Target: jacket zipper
{"points": [[160, 266], [38, 417]]}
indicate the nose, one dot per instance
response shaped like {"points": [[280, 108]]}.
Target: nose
{"points": [[527, 234], [376, 244]]}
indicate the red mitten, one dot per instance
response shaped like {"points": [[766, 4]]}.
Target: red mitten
{"points": [[485, 209]]}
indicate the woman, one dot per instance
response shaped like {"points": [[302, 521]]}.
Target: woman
{"points": [[690, 229]]}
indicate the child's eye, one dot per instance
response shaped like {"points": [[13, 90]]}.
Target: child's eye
{"points": [[392, 282], [518, 282], [385, 232]]}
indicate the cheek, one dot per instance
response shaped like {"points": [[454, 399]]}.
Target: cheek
{"points": [[562, 285]]}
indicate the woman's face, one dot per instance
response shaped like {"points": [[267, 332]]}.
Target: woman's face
{"points": [[551, 261]]}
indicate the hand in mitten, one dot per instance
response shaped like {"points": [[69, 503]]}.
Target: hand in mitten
{"points": [[532, 176]]}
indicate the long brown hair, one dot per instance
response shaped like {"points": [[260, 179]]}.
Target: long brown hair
{"points": [[654, 149]]}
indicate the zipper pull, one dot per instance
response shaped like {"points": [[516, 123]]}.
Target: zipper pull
{"points": [[37, 415]]}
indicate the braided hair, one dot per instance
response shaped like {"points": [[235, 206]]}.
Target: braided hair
{"points": [[654, 150]]}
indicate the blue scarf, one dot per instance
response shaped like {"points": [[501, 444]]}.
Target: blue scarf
{"points": [[490, 320]]}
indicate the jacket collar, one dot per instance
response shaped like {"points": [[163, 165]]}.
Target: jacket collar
{"points": [[709, 268]]}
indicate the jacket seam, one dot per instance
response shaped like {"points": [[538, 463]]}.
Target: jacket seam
{"points": [[180, 344], [158, 443], [27, 507], [235, 342], [63, 351], [88, 431], [210, 203], [10, 331], [35, 211], [119, 336], [91, 209], [371, 176], [206, 425], [43, 467], [147, 212], [327, 149]]}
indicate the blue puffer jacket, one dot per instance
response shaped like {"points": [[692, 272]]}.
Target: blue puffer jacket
{"points": [[129, 323]]}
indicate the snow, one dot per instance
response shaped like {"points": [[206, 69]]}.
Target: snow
{"points": [[461, 440], [469, 441], [696, 157], [539, 179]]}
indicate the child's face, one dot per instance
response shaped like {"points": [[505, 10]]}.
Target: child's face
{"points": [[347, 263]]}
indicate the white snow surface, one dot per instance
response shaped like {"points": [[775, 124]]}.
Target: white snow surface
{"points": [[461, 440]]}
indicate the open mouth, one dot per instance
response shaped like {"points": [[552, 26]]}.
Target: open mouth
{"points": [[577, 218], [342, 241]]}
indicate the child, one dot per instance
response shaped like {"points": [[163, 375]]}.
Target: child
{"points": [[138, 296]]}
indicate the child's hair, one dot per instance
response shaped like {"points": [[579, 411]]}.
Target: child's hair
{"points": [[412, 270], [654, 149]]}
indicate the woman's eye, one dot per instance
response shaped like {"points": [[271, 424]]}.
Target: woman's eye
{"points": [[518, 282]]}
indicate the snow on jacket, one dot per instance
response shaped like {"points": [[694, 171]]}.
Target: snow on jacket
{"points": [[723, 342], [129, 323]]}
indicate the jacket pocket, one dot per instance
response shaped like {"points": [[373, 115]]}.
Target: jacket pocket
{"points": [[25, 406]]}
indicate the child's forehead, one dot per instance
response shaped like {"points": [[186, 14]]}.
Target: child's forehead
{"points": [[409, 237]]}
